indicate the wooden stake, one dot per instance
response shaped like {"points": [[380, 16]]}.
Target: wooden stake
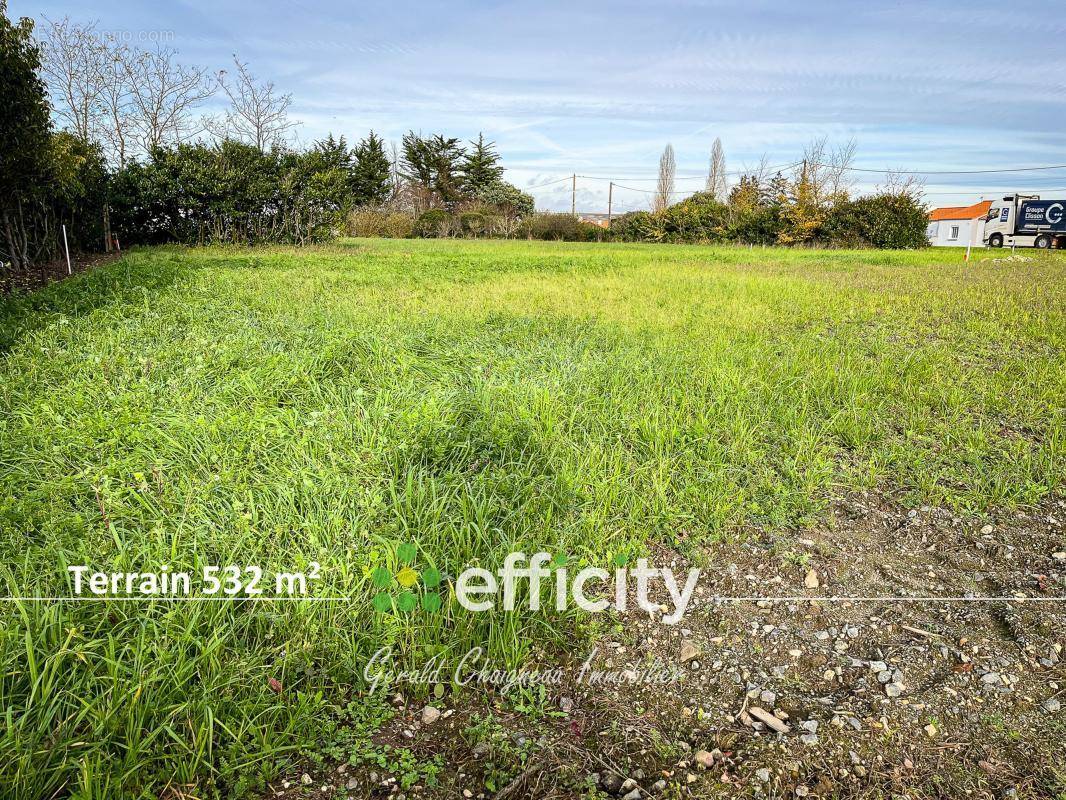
{"points": [[610, 197], [66, 249]]}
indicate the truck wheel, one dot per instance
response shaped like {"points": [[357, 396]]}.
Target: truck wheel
{"points": [[995, 240], [1043, 241]]}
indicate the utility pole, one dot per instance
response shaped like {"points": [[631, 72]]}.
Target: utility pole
{"points": [[610, 197], [573, 195]]}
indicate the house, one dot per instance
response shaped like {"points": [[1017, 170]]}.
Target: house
{"points": [[595, 219], [958, 226]]}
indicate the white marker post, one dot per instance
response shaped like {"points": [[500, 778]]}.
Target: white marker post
{"points": [[969, 242], [66, 249]]}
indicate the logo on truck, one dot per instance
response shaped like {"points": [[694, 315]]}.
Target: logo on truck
{"points": [[1054, 213]]}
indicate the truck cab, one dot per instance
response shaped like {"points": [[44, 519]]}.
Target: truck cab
{"points": [[1022, 220]]}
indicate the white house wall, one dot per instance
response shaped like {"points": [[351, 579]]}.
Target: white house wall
{"points": [[939, 232]]}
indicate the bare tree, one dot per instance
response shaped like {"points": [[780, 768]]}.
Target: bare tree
{"points": [[826, 170], [73, 61], [163, 96], [259, 115], [717, 185], [394, 167], [902, 184], [665, 186], [116, 129]]}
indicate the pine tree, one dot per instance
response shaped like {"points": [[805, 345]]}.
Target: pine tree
{"points": [[371, 173], [481, 166]]}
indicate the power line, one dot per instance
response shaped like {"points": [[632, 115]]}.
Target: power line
{"points": [[773, 168], [900, 171], [549, 183], [991, 191]]}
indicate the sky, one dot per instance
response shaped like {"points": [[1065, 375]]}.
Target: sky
{"points": [[599, 90]]}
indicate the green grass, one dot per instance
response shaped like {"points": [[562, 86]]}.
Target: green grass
{"points": [[278, 407]]}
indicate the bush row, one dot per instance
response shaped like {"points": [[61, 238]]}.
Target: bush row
{"points": [[885, 220]]}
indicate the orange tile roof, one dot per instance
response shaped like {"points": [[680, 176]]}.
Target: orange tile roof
{"points": [[961, 212]]}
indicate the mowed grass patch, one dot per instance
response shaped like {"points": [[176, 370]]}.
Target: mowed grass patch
{"points": [[283, 407]]}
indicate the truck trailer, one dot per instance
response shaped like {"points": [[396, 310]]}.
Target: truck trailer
{"points": [[1020, 220]]}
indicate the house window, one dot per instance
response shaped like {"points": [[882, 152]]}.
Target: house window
{"points": [[954, 232]]}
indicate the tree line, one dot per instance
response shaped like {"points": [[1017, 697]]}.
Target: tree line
{"points": [[808, 203], [112, 142]]}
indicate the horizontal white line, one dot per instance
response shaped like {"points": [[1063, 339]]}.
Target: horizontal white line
{"points": [[720, 598]]}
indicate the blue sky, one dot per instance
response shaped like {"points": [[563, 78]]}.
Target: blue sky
{"points": [[600, 89]]}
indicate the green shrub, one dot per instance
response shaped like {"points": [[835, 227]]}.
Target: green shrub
{"points": [[434, 223], [560, 228], [507, 198], [884, 220], [636, 226], [699, 218], [472, 223]]}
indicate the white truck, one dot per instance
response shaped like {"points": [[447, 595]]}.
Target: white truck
{"points": [[1024, 220]]}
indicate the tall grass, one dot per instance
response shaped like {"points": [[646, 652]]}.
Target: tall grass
{"points": [[276, 407]]}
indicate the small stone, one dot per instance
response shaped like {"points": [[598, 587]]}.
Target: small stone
{"points": [[611, 782], [467, 794], [810, 725], [767, 697], [893, 689], [1059, 556], [930, 730], [763, 775], [991, 677], [689, 651], [305, 779], [859, 770], [1051, 705], [878, 666], [659, 786], [430, 715], [809, 738], [704, 759], [768, 719], [810, 580], [829, 675], [628, 785], [987, 529], [801, 791], [884, 676], [566, 704], [353, 783], [633, 795]]}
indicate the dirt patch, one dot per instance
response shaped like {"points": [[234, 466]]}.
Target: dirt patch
{"points": [[812, 684], [43, 274]]}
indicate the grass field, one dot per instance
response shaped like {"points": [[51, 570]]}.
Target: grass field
{"points": [[281, 407]]}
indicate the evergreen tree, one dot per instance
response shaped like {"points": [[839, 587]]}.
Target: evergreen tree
{"points": [[433, 165], [25, 143], [334, 153], [371, 174], [481, 167]]}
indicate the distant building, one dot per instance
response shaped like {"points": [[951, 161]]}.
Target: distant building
{"points": [[595, 219], [958, 226]]}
